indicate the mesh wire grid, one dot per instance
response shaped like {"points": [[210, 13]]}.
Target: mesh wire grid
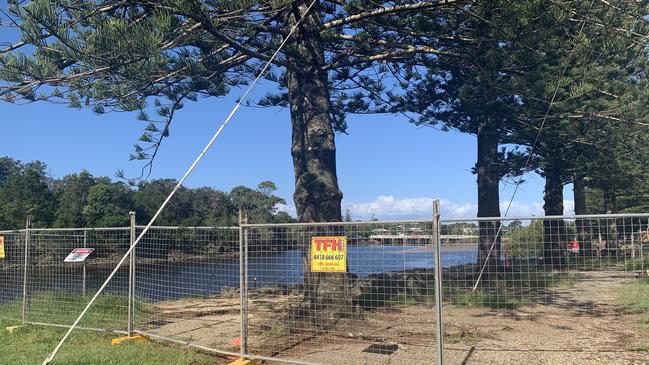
{"points": [[546, 282]]}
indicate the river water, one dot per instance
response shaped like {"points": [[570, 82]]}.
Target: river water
{"points": [[173, 280]]}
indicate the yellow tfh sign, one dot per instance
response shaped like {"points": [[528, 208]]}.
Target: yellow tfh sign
{"points": [[2, 247], [329, 254]]}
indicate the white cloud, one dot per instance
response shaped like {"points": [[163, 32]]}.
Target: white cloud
{"points": [[290, 209], [451, 209], [522, 209], [534, 208], [387, 207]]}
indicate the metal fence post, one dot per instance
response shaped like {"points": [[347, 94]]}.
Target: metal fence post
{"points": [[28, 225], [243, 285], [438, 281], [85, 245], [131, 279], [641, 240], [632, 245], [245, 281]]}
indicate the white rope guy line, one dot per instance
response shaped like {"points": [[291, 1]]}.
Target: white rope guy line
{"points": [[51, 357], [529, 156]]}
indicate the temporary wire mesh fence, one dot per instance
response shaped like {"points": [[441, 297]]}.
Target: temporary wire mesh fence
{"points": [[554, 290], [187, 285], [383, 298], [55, 291], [11, 275], [550, 287]]}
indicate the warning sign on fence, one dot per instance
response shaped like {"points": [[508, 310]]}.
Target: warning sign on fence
{"points": [[79, 255], [2, 247], [329, 254]]}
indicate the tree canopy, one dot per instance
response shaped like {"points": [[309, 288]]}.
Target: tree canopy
{"points": [[83, 200], [550, 86]]}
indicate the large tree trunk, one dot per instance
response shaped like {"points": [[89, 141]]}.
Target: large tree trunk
{"points": [[488, 178], [553, 229], [583, 225], [327, 296], [317, 196]]}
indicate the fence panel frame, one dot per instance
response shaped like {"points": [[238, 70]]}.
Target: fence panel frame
{"points": [[430, 240], [618, 260], [244, 254]]}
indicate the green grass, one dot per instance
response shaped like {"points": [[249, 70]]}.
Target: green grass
{"points": [[109, 310], [31, 344], [634, 297], [513, 291], [637, 264], [378, 299], [561, 280]]}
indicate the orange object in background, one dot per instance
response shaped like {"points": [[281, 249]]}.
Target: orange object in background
{"points": [[236, 341], [573, 246]]}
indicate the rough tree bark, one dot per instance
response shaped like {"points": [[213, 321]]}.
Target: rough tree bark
{"points": [[317, 196], [553, 229], [488, 178]]}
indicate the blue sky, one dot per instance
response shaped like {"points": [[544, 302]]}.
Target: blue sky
{"points": [[386, 167]]}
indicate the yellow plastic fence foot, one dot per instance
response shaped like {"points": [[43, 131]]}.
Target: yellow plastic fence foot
{"points": [[12, 329], [246, 362], [131, 339]]}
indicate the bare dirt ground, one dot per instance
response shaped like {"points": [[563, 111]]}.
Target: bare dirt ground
{"points": [[579, 324], [213, 323], [576, 324]]}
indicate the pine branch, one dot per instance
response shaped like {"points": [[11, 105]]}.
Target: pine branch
{"points": [[393, 55], [386, 11], [218, 34], [630, 34], [14, 46]]}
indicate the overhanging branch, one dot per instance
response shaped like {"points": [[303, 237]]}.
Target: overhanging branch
{"points": [[409, 51], [386, 11]]}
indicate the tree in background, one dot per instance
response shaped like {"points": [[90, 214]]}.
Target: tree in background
{"points": [[210, 207], [8, 167], [510, 60], [25, 191], [475, 92], [595, 82], [108, 204], [82, 200], [71, 193], [152, 194], [260, 205]]}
